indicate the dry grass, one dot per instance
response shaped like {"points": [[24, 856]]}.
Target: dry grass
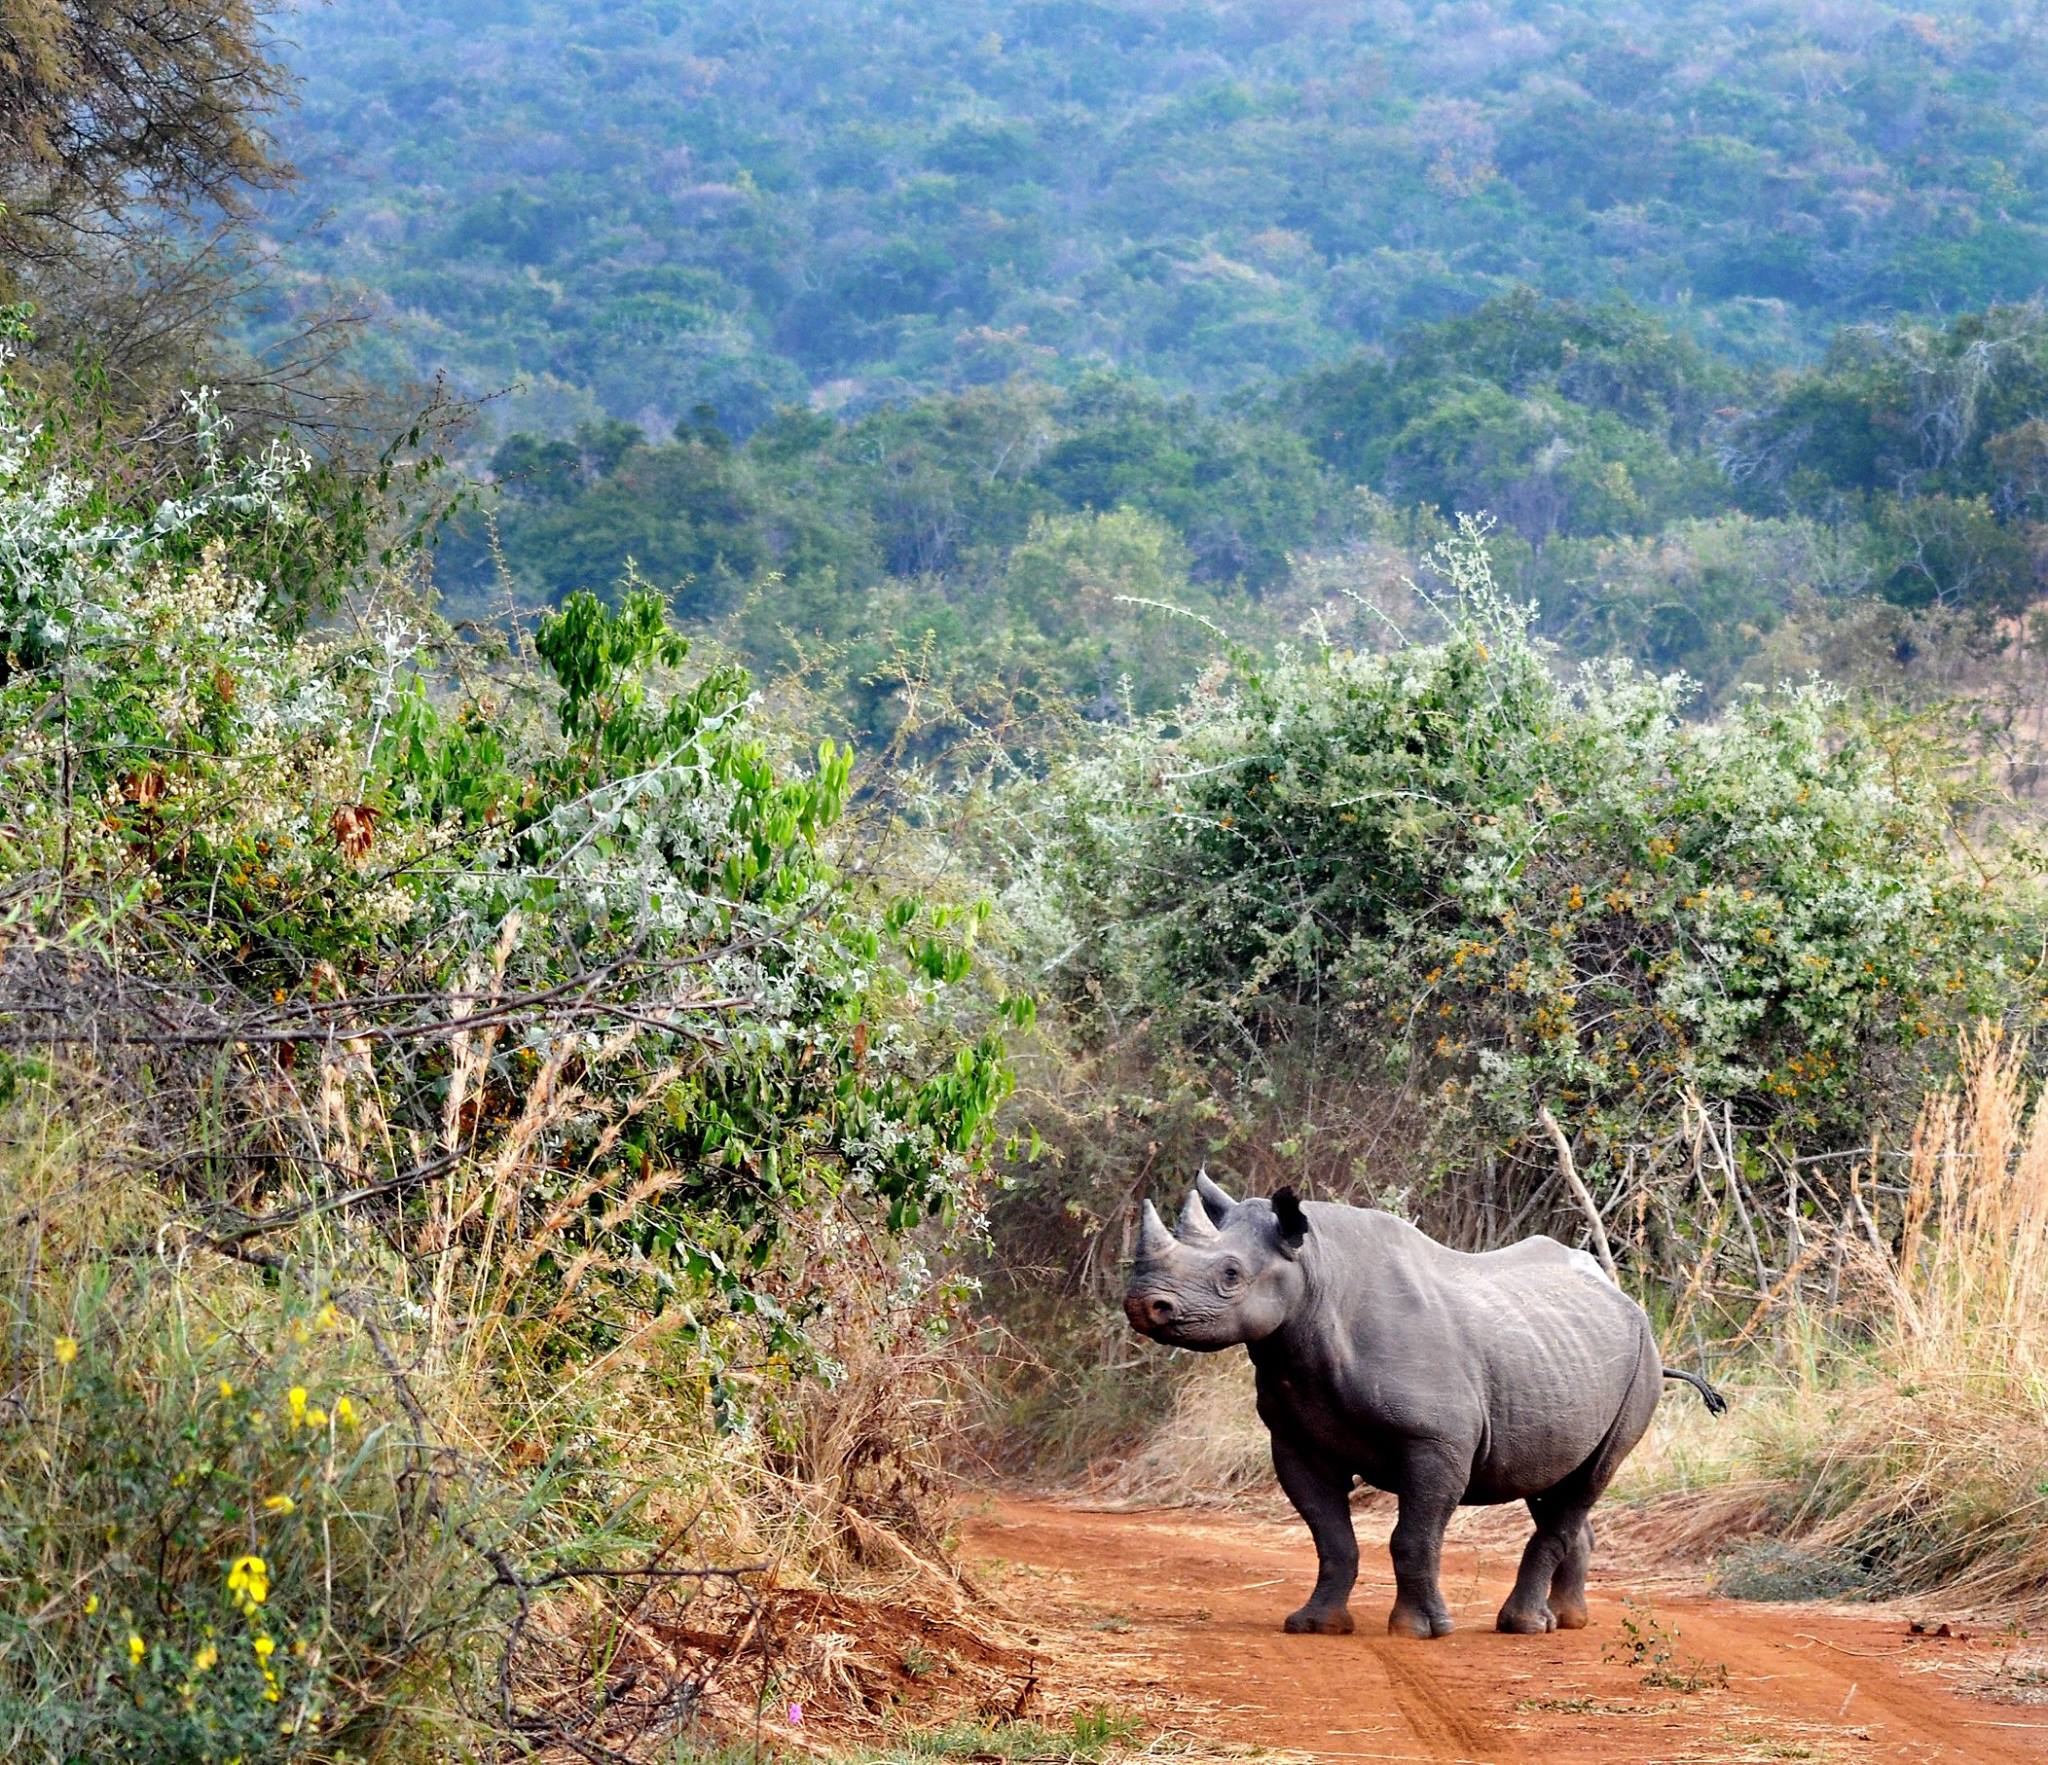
{"points": [[553, 1385], [1210, 1447], [1904, 1433]]}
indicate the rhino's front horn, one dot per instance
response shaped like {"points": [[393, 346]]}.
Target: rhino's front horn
{"points": [[1196, 1227], [1154, 1240]]}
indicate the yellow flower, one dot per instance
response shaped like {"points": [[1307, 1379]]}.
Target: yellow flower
{"points": [[92, 1604], [279, 1504], [137, 1648], [226, 1390], [327, 1317], [296, 1397], [66, 1350], [264, 1648], [316, 1418], [249, 1582], [206, 1659], [344, 1412]]}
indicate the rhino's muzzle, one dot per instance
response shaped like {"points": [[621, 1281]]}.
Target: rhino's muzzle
{"points": [[1150, 1312]]}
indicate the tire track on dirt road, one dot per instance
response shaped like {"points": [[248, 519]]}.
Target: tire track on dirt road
{"points": [[1195, 1600]]}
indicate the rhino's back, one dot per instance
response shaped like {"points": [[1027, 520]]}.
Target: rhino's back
{"points": [[1529, 1355], [1538, 1253]]}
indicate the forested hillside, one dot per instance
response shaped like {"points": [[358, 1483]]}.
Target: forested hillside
{"points": [[1882, 515], [938, 341], [637, 208]]}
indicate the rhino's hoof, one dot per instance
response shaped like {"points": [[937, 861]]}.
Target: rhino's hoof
{"points": [[1311, 1622], [1408, 1621], [1517, 1622]]}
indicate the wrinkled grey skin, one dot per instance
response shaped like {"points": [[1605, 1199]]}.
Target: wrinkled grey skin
{"points": [[1445, 1378]]}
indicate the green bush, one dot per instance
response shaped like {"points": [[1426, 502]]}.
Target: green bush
{"points": [[510, 1000], [225, 1537], [1509, 890], [262, 825]]}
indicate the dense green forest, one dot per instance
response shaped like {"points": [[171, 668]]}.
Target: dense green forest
{"points": [[1655, 501], [634, 209], [936, 342]]}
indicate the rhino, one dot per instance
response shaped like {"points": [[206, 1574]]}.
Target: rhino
{"points": [[1446, 1378]]}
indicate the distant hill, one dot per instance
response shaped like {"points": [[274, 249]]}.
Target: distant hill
{"points": [[641, 207]]}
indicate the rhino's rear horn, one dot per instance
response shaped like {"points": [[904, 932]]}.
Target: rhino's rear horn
{"points": [[1219, 1203], [1196, 1227]]}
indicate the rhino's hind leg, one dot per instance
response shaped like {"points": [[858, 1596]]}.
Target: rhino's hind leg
{"points": [[1554, 1564], [1323, 1499], [1550, 1592]]}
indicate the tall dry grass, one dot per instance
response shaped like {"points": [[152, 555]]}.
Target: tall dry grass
{"points": [[1210, 1446], [544, 1443], [1905, 1430], [1933, 1468]]}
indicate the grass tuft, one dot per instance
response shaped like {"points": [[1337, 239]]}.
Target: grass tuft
{"points": [[1901, 1433]]}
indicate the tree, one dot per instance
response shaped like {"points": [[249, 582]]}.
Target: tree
{"points": [[107, 106]]}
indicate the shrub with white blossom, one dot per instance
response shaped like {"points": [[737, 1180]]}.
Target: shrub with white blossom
{"points": [[1511, 889]]}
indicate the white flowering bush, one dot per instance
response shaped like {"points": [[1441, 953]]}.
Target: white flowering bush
{"points": [[282, 821], [511, 999], [171, 750], [1509, 890]]}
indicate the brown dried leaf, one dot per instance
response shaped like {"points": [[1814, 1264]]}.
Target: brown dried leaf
{"points": [[354, 826]]}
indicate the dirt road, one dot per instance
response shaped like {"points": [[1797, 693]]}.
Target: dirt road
{"points": [[1181, 1610]]}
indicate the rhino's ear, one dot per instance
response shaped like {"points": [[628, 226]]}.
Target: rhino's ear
{"points": [[1213, 1198], [1292, 1221]]}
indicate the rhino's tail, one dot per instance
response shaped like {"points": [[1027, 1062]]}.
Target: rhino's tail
{"points": [[1716, 1404]]}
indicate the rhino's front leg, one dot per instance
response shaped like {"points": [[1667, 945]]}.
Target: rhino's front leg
{"points": [[1432, 1482], [1322, 1498]]}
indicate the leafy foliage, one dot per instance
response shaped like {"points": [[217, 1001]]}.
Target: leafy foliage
{"points": [[1520, 891], [509, 991], [669, 205], [275, 823]]}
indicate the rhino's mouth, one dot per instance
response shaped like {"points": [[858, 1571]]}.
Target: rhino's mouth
{"points": [[1165, 1319]]}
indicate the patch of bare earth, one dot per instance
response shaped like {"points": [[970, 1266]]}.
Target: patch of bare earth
{"points": [[1174, 1615]]}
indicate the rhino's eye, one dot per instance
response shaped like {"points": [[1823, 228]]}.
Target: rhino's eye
{"points": [[1230, 1277]]}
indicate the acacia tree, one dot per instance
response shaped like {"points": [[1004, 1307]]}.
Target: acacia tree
{"points": [[108, 106]]}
